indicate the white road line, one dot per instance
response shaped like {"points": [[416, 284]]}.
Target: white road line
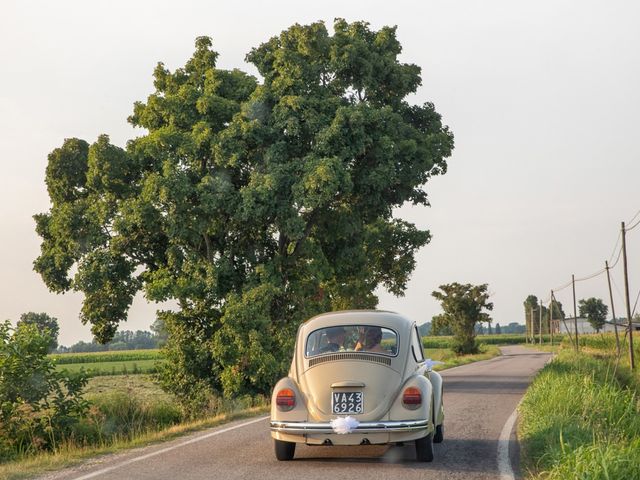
{"points": [[168, 449], [504, 461]]}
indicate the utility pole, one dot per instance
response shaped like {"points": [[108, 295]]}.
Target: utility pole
{"points": [[626, 296], [575, 313], [531, 325], [564, 322], [540, 324], [551, 317], [613, 309]]}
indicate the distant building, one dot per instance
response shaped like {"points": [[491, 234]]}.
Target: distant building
{"points": [[584, 327]]}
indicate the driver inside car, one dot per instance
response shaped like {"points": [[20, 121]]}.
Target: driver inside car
{"points": [[335, 338]]}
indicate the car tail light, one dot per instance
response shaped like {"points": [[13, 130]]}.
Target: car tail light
{"points": [[412, 398], [286, 399]]}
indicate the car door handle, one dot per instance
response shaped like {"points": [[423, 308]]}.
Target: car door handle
{"points": [[347, 384]]}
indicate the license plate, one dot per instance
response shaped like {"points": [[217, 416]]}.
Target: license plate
{"points": [[347, 402]]}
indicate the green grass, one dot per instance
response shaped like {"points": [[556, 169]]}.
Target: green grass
{"points": [[556, 347], [580, 418], [141, 386], [450, 359]]}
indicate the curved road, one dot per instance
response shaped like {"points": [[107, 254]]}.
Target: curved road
{"points": [[479, 399]]}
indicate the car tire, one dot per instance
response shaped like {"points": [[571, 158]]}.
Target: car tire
{"points": [[424, 448], [439, 435], [284, 450]]}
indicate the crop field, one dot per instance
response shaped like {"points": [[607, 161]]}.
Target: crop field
{"points": [[97, 364], [502, 339], [98, 357]]}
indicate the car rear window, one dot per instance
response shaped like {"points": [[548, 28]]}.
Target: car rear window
{"points": [[352, 338]]}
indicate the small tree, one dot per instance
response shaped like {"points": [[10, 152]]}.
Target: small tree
{"points": [[463, 306], [595, 311], [43, 322], [498, 329]]}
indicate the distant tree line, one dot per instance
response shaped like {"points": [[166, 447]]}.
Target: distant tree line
{"points": [[123, 340], [513, 327]]}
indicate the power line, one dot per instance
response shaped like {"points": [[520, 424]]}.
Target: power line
{"points": [[593, 275], [633, 226], [559, 289], [611, 265], [615, 246], [634, 217], [635, 305], [617, 259], [618, 291]]}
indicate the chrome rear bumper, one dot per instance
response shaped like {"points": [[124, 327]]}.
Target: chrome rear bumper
{"points": [[364, 427]]}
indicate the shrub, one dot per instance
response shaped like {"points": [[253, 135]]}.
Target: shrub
{"points": [[38, 405]]}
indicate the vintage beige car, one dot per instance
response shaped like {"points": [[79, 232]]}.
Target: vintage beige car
{"points": [[358, 378]]}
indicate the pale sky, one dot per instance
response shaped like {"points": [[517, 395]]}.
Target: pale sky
{"points": [[543, 98]]}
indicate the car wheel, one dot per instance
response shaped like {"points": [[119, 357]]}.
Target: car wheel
{"points": [[424, 448], [439, 435], [284, 450]]}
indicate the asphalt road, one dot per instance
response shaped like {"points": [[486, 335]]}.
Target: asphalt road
{"points": [[479, 399]]}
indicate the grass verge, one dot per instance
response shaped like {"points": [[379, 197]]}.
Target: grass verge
{"points": [[580, 418], [450, 359]]}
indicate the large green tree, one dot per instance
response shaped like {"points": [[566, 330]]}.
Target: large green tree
{"points": [[463, 307], [594, 310], [251, 204]]}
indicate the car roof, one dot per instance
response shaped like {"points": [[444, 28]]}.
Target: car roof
{"points": [[381, 318]]}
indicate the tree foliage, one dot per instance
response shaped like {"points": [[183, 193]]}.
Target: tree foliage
{"points": [[251, 204], [594, 310], [440, 326], [43, 322], [463, 307]]}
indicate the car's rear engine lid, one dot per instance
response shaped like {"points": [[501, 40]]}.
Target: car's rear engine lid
{"points": [[361, 388]]}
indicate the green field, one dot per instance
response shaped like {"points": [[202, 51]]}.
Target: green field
{"points": [[96, 364]]}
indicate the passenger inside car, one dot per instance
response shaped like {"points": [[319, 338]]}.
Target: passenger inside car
{"points": [[369, 340]]}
